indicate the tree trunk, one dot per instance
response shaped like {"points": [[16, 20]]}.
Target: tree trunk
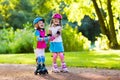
{"points": [[113, 38], [109, 32], [101, 20]]}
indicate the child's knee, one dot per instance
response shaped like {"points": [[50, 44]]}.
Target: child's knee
{"points": [[55, 55], [40, 59], [61, 55]]}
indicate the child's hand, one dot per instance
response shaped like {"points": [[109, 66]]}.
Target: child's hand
{"points": [[52, 38], [49, 34], [40, 39]]}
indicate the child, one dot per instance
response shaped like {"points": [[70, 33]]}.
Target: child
{"points": [[56, 45], [40, 45]]}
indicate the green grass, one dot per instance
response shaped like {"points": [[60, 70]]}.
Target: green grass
{"points": [[85, 59]]}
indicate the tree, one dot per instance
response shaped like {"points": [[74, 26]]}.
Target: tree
{"points": [[109, 31], [5, 8], [90, 28], [76, 9], [15, 13]]}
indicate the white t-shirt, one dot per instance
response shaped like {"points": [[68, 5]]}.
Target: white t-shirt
{"points": [[54, 31]]}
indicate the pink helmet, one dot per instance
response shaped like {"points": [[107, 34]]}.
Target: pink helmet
{"points": [[56, 15]]}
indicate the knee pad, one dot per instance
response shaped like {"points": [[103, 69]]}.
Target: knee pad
{"points": [[38, 59], [55, 55], [61, 55], [42, 59]]}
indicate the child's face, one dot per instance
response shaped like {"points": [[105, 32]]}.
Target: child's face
{"points": [[41, 24], [56, 21]]}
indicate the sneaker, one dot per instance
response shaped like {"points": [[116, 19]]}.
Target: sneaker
{"points": [[64, 68], [55, 68]]}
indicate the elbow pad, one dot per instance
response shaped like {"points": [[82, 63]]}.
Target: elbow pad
{"points": [[46, 39], [40, 39]]}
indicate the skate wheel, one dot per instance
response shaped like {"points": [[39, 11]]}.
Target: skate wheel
{"points": [[55, 71], [63, 71], [46, 72], [35, 73]]}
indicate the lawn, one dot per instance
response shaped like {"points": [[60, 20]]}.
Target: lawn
{"points": [[86, 59]]}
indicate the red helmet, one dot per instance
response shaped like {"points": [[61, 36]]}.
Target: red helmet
{"points": [[56, 15]]}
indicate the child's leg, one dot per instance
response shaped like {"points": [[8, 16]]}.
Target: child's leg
{"points": [[40, 59], [55, 67], [61, 55], [43, 67], [63, 64], [55, 55], [40, 55]]}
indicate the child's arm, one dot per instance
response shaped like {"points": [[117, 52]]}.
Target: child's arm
{"points": [[58, 32], [37, 34], [56, 35], [50, 35]]}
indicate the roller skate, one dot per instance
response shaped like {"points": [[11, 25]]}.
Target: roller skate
{"points": [[64, 68], [38, 69], [55, 68], [41, 69]]}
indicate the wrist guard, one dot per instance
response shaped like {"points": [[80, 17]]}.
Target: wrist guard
{"points": [[49, 34], [58, 32]]}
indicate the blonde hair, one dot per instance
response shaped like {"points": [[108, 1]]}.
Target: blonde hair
{"points": [[51, 22]]}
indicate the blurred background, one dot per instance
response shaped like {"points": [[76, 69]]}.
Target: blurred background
{"points": [[87, 24]]}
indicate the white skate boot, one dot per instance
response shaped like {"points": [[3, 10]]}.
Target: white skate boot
{"points": [[55, 68], [64, 68]]}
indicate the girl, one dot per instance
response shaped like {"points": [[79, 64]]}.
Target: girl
{"points": [[40, 45], [56, 45]]}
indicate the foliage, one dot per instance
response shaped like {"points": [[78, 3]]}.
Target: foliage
{"points": [[3, 47], [107, 23], [15, 13], [102, 42], [16, 41], [89, 28], [74, 41], [118, 35], [3, 41], [21, 40], [18, 13], [80, 8], [86, 59]]}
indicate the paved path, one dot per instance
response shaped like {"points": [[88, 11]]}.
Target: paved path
{"points": [[25, 72]]}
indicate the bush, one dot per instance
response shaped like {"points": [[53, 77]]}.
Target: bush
{"points": [[21, 40], [3, 41], [103, 42], [18, 41], [3, 47], [74, 41]]}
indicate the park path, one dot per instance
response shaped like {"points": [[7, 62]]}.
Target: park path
{"points": [[25, 72]]}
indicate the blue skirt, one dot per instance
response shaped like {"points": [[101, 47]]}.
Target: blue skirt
{"points": [[56, 47]]}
